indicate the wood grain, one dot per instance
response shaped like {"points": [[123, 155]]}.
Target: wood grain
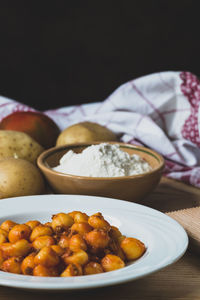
{"points": [[173, 195], [178, 281]]}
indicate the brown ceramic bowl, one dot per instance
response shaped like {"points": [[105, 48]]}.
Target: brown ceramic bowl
{"points": [[132, 188]]}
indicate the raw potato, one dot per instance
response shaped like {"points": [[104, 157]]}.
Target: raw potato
{"points": [[85, 132], [18, 145], [19, 177]]}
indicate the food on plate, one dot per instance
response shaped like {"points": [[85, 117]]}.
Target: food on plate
{"points": [[112, 262], [41, 241], [8, 225], [85, 132], [12, 265], [102, 160], [37, 125], [92, 268], [72, 244], [3, 235], [33, 224], [61, 220], [40, 230], [18, 232], [19, 248], [131, 247], [41, 270], [19, 177], [18, 145], [72, 270]]}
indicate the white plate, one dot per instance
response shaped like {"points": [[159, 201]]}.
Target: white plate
{"points": [[165, 239]]}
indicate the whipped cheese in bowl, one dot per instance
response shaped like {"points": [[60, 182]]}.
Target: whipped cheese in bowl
{"points": [[102, 160]]}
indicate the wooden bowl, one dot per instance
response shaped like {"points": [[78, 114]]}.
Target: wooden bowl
{"points": [[132, 188]]}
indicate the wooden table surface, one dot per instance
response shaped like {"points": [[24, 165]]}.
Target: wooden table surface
{"points": [[178, 281]]}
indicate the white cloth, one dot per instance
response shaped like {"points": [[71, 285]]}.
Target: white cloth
{"points": [[159, 111]]}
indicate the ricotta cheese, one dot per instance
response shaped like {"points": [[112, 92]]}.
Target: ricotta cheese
{"points": [[103, 160]]}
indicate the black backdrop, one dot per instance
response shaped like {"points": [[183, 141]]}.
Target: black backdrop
{"points": [[57, 53]]}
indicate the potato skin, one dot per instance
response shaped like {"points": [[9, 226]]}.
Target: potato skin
{"points": [[19, 177], [19, 145], [85, 132]]}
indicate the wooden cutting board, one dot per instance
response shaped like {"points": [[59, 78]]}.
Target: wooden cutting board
{"points": [[190, 220], [182, 203]]}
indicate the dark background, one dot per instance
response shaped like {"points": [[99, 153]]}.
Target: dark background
{"points": [[58, 53]]}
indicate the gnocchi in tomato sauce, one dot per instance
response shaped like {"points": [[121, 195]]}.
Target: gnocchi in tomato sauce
{"points": [[71, 244]]}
